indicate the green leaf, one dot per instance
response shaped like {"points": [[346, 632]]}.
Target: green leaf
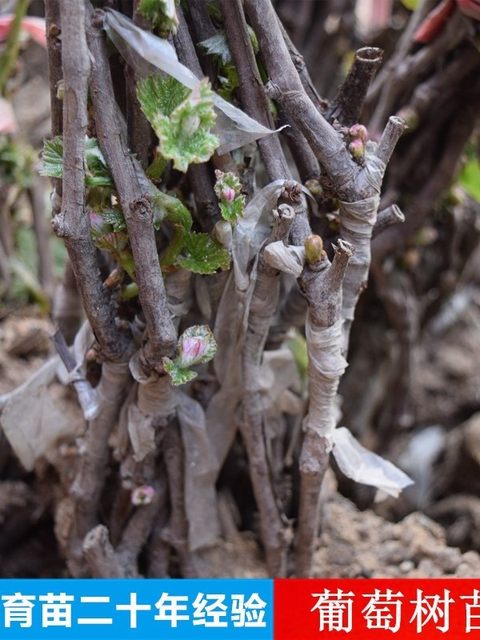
{"points": [[184, 136], [115, 218], [160, 95], [161, 13], [52, 156], [231, 211], [196, 345], [96, 170], [470, 178], [202, 254], [176, 373], [97, 173]]}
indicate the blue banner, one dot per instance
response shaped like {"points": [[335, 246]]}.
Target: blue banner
{"points": [[149, 609]]}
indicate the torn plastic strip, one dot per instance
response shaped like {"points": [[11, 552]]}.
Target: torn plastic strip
{"points": [[364, 466], [76, 375], [147, 53]]}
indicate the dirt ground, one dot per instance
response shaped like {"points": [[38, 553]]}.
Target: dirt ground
{"points": [[353, 543]]}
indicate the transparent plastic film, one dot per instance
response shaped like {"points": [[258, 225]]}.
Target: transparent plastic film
{"points": [[149, 54]]}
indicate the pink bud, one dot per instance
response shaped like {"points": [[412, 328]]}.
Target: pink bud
{"points": [[357, 148], [192, 349], [358, 131], [228, 194], [142, 495]]}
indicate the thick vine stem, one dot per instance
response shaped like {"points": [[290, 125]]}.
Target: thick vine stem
{"points": [[255, 103], [72, 221], [135, 202], [251, 88], [347, 106], [89, 481], [322, 284], [262, 311], [100, 556], [286, 87]]}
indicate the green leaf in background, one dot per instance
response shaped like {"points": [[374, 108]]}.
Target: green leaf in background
{"points": [[470, 178], [161, 13], [115, 218], [298, 346], [196, 345], [24, 265], [217, 45], [184, 135], [411, 5], [16, 163], [203, 254], [96, 170]]}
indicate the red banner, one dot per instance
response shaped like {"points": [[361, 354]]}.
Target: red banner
{"points": [[361, 609]]}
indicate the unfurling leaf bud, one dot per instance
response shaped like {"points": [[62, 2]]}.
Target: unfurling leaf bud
{"points": [[358, 131], [314, 249], [357, 149]]}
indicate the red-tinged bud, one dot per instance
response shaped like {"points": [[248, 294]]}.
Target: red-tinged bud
{"points": [[357, 149], [470, 8], [314, 249], [434, 22], [358, 131]]}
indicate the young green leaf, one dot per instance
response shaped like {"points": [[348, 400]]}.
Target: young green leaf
{"points": [[160, 95], [161, 13], [184, 135], [202, 254], [177, 374], [96, 170], [52, 156]]}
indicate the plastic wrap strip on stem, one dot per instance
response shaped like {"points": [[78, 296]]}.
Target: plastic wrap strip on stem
{"points": [[148, 54], [364, 466]]}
